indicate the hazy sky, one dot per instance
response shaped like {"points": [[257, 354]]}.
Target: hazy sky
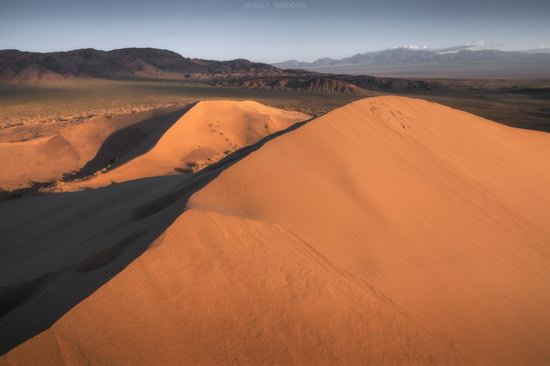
{"points": [[271, 30]]}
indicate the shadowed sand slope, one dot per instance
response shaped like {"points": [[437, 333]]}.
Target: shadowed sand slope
{"points": [[205, 134], [57, 249], [389, 231]]}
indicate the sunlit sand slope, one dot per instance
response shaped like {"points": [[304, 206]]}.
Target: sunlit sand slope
{"points": [[389, 231], [206, 133]]}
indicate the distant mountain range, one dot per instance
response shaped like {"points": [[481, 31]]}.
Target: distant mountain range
{"points": [[423, 62], [348, 75], [149, 63], [122, 63]]}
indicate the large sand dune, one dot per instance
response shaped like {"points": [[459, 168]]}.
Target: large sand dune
{"points": [[205, 134], [389, 231]]}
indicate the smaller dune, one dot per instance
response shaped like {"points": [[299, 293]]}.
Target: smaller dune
{"points": [[80, 148], [205, 134]]}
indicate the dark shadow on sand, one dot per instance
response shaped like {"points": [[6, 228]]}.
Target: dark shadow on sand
{"points": [[57, 249], [129, 143]]}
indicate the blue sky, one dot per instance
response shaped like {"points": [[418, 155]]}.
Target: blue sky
{"points": [[264, 31]]}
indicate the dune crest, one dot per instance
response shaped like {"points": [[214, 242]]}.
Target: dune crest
{"points": [[389, 231], [206, 133]]}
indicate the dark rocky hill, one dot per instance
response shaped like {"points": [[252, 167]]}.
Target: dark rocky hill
{"points": [[121, 63]]}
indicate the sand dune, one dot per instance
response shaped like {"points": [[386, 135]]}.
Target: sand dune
{"points": [[389, 231], [205, 134], [69, 150]]}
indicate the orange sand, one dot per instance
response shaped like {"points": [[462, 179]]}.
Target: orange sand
{"points": [[49, 157], [203, 135], [389, 231]]}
